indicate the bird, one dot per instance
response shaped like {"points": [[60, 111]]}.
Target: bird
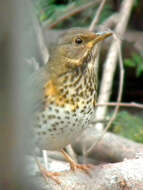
{"points": [[65, 93]]}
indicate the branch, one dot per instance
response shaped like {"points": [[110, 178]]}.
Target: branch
{"points": [[111, 61], [110, 21], [109, 69], [120, 91], [97, 16], [112, 148], [91, 28], [132, 104], [127, 175], [72, 13]]}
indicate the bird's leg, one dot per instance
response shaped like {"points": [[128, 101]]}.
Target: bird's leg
{"points": [[46, 173], [74, 165]]}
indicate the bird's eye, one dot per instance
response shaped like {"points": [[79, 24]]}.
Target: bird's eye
{"points": [[78, 41]]}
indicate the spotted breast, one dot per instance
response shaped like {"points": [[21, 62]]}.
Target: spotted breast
{"points": [[68, 108]]}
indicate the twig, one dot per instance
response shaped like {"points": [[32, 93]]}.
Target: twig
{"points": [[110, 21], [111, 61], [97, 16], [120, 91], [72, 13], [109, 70], [132, 104], [91, 28]]}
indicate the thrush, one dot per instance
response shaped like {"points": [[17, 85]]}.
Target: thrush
{"points": [[66, 91]]}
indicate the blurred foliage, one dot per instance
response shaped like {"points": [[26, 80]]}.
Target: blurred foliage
{"points": [[137, 13], [51, 10], [136, 3], [129, 126], [136, 61]]}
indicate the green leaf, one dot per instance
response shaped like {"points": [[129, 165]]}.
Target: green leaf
{"points": [[139, 70], [137, 58], [129, 63], [129, 126]]}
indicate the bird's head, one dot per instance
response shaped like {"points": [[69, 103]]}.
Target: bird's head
{"points": [[74, 48]]}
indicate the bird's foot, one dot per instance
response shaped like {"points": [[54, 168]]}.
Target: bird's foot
{"points": [[53, 175], [74, 165], [84, 167], [46, 174]]}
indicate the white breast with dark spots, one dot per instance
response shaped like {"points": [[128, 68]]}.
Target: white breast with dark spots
{"points": [[58, 126]]}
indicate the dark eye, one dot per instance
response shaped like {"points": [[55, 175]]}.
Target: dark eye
{"points": [[78, 40]]}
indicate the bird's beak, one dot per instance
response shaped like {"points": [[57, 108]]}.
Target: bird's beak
{"points": [[100, 36]]}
